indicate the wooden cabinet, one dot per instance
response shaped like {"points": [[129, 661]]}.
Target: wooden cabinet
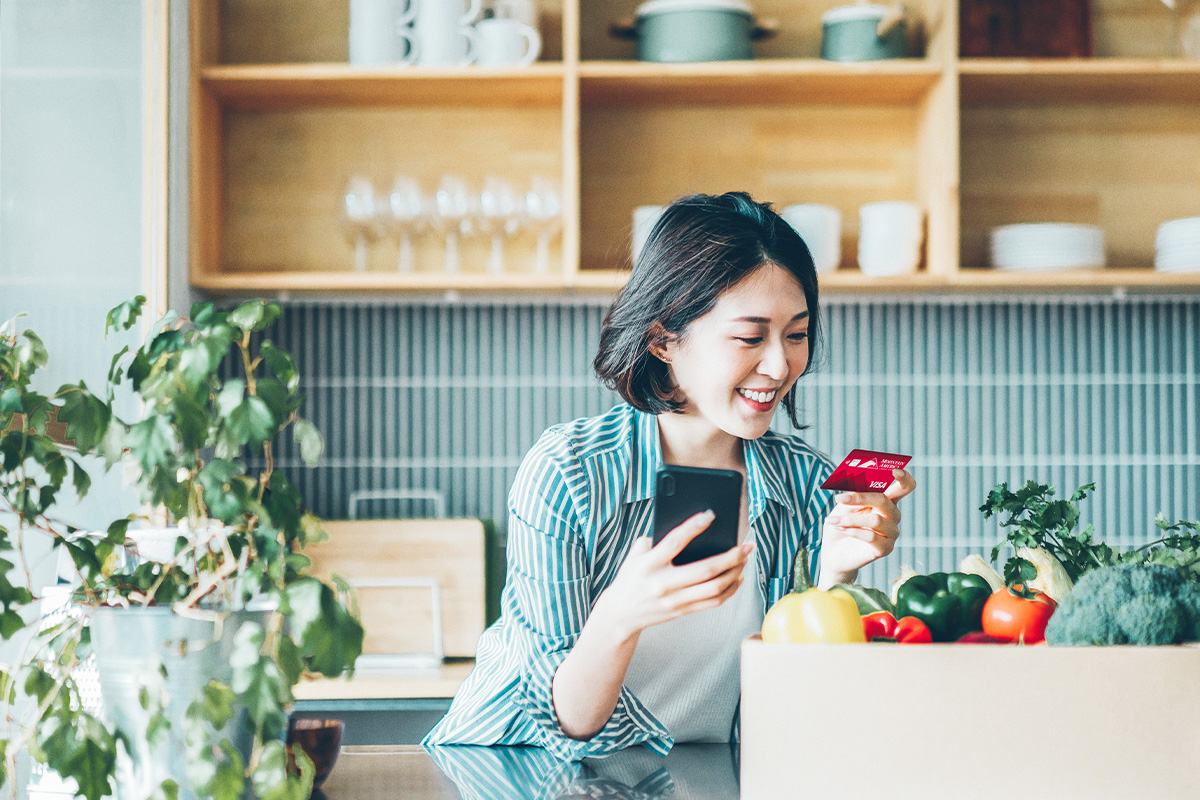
{"points": [[280, 122]]}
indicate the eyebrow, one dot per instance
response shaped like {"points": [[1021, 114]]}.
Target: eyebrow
{"points": [[765, 321]]}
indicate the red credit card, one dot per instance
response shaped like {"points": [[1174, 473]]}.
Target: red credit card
{"points": [[865, 471]]}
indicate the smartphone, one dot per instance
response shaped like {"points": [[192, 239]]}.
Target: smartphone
{"points": [[682, 492]]}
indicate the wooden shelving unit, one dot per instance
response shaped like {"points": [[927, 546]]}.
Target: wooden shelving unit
{"points": [[280, 121]]}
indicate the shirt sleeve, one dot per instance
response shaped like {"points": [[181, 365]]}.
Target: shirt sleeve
{"points": [[549, 577]]}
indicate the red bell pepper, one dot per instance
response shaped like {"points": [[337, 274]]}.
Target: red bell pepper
{"points": [[906, 630]]}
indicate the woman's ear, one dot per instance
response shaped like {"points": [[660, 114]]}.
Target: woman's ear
{"points": [[659, 341]]}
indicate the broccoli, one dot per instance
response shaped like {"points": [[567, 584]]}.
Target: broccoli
{"points": [[1128, 604]]}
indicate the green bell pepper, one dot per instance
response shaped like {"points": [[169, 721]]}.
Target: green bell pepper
{"points": [[949, 603]]}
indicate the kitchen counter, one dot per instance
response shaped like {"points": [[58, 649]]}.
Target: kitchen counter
{"points": [[689, 772]]}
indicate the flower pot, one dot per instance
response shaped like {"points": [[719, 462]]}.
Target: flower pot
{"points": [[130, 645]]}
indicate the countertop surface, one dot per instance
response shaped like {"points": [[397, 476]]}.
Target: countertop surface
{"points": [[689, 772]]}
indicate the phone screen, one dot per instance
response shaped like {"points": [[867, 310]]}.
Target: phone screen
{"points": [[681, 492]]}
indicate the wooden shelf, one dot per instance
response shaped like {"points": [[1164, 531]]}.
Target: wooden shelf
{"points": [[426, 282], [1122, 80], [278, 86], [776, 81]]}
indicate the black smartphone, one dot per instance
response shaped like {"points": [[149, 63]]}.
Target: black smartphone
{"points": [[681, 492]]}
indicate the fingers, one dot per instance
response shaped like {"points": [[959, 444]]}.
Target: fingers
{"points": [[709, 594], [707, 569], [673, 543], [902, 486], [871, 520]]}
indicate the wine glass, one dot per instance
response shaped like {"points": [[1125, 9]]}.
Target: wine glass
{"points": [[499, 215], [543, 210], [409, 215], [360, 216], [454, 214]]}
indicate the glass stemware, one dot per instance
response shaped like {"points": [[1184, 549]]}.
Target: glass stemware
{"points": [[499, 215], [360, 217], [454, 215], [409, 216], [543, 209]]}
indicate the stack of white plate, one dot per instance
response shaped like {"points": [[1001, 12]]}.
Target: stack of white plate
{"points": [[1047, 245], [1177, 246]]}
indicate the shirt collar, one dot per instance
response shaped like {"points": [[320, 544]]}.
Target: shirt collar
{"points": [[647, 456], [763, 473]]}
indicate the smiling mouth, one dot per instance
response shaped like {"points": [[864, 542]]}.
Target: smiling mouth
{"points": [[758, 397]]}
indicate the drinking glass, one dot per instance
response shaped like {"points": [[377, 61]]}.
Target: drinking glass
{"points": [[543, 210], [454, 215], [409, 215], [360, 217], [500, 216]]}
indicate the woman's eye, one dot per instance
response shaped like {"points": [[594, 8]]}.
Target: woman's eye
{"points": [[798, 337], [749, 339]]}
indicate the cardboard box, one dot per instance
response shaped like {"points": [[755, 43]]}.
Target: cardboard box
{"points": [[969, 721]]}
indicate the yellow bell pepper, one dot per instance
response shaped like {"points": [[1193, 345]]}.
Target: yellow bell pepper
{"points": [[810, 616]]}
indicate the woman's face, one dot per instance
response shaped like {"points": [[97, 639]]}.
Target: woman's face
{"points": [[735, 364]]}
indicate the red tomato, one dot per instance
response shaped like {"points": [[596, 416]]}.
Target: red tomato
{"points": [[1012, 618]]}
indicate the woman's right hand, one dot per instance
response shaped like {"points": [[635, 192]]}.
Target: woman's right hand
{"points": [[650, 590]]}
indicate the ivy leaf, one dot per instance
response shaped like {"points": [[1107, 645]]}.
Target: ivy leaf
{"points": [[309, 439], [167, 790], [10, 401], [280, 364], [271, 780], [329, 638], [78, 746], [214, 706], [290, 662], [229, 780], [230, 396], [252, 422], [31, 353], [125, 315], [196, 363], [86, 416], [255, 315], [152, 442]]}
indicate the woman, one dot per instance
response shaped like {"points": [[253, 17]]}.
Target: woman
{"points": [[602, 642]]}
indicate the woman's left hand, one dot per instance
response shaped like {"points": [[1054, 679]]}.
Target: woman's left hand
{"points": [[861, 528]]}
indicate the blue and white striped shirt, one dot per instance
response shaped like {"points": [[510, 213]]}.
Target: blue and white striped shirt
{"points": [[583, 494]]}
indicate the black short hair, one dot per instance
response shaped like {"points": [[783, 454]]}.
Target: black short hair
{"points": [[701, 245]]}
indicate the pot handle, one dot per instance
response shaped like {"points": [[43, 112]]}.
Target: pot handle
{"points": [[764, 29], [623, 29]]}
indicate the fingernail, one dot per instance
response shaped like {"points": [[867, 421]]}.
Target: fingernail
{"points": [[748, 548], [708, 516], [897, 472], [843, 497], [835, 520]]}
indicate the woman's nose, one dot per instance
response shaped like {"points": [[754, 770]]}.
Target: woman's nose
{"points": [[774, 363]]}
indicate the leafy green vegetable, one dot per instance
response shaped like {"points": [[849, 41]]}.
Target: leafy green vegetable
{"points": [[1035, 519]]}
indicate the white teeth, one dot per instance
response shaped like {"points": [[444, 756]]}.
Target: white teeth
{"points": [[758, 397]]}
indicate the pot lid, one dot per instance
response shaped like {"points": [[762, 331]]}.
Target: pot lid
{"points": [[662, 6], [855, 12]]}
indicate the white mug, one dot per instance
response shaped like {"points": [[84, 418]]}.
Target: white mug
{"points": [[820, 226], [506, 43], [444, 33], [521, 10], [890, 235], [377, 31]]}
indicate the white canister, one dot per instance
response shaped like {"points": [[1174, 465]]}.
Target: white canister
{"points": [[444, 33], [820, 226], [890, 237], [506, 43], [379, 34]]}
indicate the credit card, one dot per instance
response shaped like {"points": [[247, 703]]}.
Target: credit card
{"points": [[865, 471]]}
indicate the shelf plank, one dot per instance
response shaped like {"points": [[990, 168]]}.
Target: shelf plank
{"points": [[275, 86], [768, 81], [850, 281], [1019, 80]]}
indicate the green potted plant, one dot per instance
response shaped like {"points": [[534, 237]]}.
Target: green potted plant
{"points": [[199, 644]]}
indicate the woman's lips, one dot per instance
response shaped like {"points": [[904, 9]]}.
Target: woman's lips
{"points": [[758, 405]]}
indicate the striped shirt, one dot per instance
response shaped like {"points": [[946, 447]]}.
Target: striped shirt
{"points": [[583, 494]]}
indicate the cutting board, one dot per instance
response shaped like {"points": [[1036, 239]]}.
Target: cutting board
{"points": [[400, 620]]}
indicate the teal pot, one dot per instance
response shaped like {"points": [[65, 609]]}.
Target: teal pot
{"points": [[130, 645], [852, 33], [693, 30]]}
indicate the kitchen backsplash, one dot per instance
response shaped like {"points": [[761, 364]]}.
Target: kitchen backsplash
{"points": [[445, 399]]}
